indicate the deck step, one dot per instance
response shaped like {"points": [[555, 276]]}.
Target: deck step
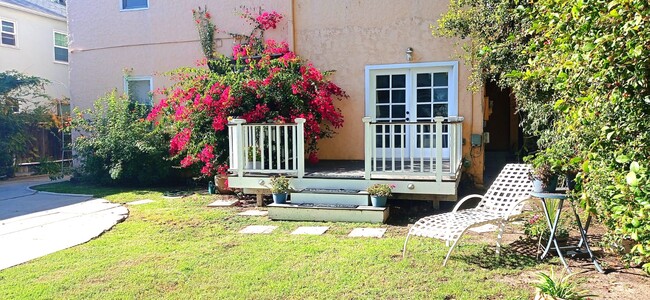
{"points": [[328, 213], [330, 197]]}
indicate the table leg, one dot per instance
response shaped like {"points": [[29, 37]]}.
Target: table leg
{"points": [[552, 228], [583, 237]]}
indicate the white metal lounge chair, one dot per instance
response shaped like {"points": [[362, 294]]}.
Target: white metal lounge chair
{"points": [[503, 200]]}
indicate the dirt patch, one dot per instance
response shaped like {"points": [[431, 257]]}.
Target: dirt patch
{"points": [[618, 282]]}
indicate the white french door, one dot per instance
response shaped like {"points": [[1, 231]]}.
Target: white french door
{"points": [[417, 93]]}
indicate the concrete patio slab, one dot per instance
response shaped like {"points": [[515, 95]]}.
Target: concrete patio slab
{"points": [[258, 229], [311, 230], [140, 202], [34, 224], [223, 203], [254, 213], [368, 232]]}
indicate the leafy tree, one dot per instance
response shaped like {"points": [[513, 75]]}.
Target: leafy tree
{"points": [[580, 72], [18, 112]]}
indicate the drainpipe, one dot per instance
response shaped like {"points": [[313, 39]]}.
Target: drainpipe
{"points": [[292, 26]]}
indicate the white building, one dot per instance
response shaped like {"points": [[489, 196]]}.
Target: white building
{"points": [[34, 41]]}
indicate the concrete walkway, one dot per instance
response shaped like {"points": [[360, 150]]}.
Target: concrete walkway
{"points": [[34, 224]]}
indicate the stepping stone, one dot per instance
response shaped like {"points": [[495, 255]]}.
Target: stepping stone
{"points": [[367, 232], [223, 203], [258, 229], [485, 228], [139, 202], [314, 230], [254, 213]]}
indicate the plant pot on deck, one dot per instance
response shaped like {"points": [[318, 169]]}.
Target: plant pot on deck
{"points": [[280, 198], [378, 201]]}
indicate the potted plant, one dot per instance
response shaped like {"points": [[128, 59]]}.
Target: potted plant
{"points": [[544, 174], [279, 189], [379, 193], [254, 156]]}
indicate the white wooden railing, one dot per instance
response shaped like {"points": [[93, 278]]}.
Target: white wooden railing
{"points": [[412, 149], [267, 148]]}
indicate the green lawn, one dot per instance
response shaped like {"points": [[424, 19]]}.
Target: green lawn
{"points": [[180, 249]]}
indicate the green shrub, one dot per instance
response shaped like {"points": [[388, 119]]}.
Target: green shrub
{"points": [[117, 145], [551, 287]]}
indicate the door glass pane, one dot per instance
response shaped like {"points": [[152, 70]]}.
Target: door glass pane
{"points": [[383, 82], [423, 95], [441, 95], [399, 81], [440, 79], [440, 110], [424, 80], [383, 96], [399, 96], [383, 112], [424, 111], [399, 112]]}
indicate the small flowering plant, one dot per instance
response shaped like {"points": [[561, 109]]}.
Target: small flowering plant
{"points": [[381, 189], [279, 185], [536, 228]]}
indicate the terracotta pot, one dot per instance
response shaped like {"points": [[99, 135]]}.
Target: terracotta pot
{"points": [[222, 187]]}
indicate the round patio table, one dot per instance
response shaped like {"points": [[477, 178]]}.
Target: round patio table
{"points": [[560, 196]]}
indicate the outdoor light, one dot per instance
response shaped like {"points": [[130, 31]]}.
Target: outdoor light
{"points": [[409, 54]]}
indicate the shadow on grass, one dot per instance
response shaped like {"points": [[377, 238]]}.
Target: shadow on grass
{"points": [[519, 254]]}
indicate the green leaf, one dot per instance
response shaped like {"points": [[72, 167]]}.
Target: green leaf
{"points": [[614, 13], [621, 159], [631, 179], [634, 167]]}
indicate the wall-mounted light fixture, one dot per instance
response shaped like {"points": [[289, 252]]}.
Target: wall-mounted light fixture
{"points": [[409, 54]]}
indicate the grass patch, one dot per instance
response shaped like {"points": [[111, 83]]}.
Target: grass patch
{"points": [[180, 249]]}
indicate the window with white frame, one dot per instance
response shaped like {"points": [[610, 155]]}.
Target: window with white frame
{"points": [[8, 32], [139, 89], [60, 47], [135, 4]]}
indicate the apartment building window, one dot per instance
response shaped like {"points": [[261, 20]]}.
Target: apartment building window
{"points": [[139, 89], [60, 47], [135, 4], [8, 33]]}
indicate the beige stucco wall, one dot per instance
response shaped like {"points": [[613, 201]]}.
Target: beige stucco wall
{"points": [[344, 35], [106, 41], [34, 52], [348, 35]]}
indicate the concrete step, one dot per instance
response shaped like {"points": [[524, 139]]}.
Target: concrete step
{"points": [[330, 197], [328, 212]]}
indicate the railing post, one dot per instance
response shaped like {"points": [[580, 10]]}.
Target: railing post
{"points": [[439, 148], [300, 122], [239, 142], [367, 159], [459, 148], [453, 131]]}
